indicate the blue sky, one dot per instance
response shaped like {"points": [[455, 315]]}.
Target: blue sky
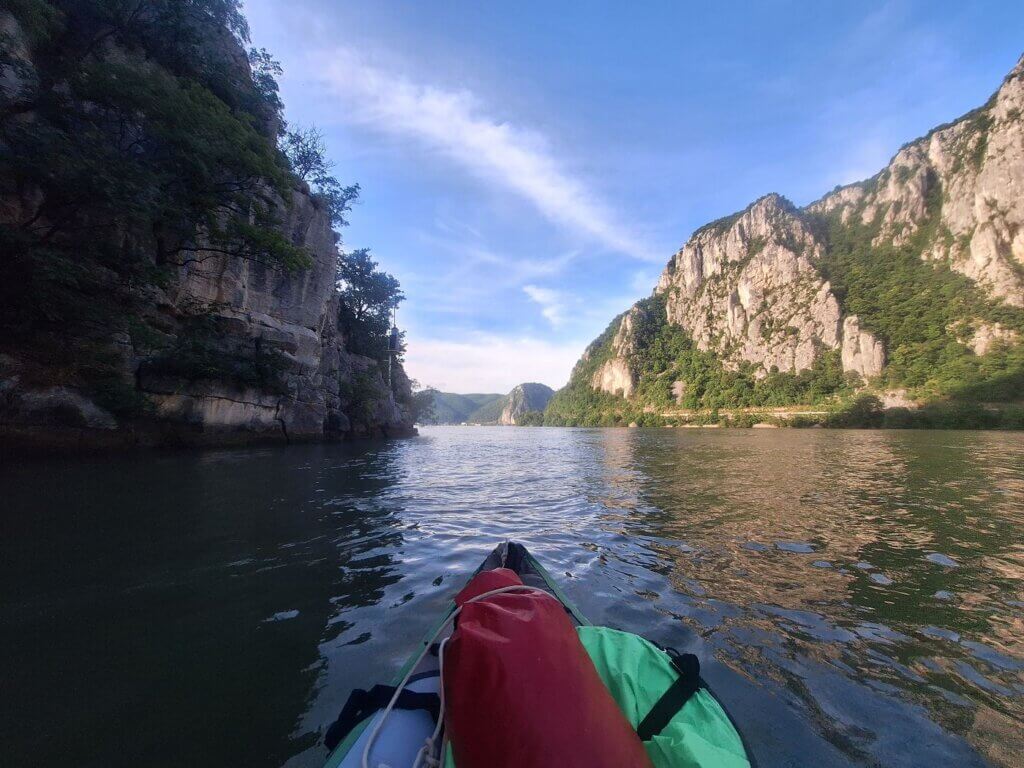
{"points": [[528, 168]]}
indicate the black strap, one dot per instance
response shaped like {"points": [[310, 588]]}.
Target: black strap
{"points": [[361, 704], [673, 700]]}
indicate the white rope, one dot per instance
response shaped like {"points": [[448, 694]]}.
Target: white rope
{"points": [[426, 751]]}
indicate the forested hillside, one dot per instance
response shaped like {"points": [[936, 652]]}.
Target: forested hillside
{"points": [[453, 408], [904, 290]]}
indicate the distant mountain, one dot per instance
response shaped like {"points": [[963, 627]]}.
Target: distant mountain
{"points": [[510, 409], [489, 412], [525, 399], [453, 408]]}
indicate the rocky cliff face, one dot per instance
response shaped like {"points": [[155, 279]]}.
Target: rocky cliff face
{"points": [[749, 291], [323, 391], [972, 170], [270, 362], [523, 399], [753, 290]]}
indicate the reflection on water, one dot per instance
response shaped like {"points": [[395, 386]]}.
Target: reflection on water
{"points": [[856, 597]]}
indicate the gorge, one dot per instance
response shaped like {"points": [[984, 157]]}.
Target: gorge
{"points": [[215, 554], [523, 406]]}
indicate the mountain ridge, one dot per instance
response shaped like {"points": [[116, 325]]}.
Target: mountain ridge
{"points": [[911, 280], [523, 404], [456, 408]]}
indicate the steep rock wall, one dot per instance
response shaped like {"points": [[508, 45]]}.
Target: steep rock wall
{"points": [[752, 289], [749, 291], [251, 310]]}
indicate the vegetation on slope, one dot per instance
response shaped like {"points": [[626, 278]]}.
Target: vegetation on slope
{"points": [[666, 355], [453, 408], [579, 404], [488, 412], [138, 139], [921, 310]]}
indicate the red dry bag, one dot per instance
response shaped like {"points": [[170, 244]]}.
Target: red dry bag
{"points": [[521, 691]]}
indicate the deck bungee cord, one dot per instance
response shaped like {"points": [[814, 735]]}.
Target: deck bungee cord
{"points": [[512, 649], [426, 751]]}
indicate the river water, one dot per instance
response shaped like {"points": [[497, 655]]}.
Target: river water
{"points": [[856, 598]]}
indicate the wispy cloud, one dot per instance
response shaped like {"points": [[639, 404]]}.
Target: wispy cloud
{"points": [[482, 362], [456, 124], [512, 270], [554, 305]]}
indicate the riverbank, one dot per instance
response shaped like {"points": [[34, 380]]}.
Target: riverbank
{"points": [[864, 412]]}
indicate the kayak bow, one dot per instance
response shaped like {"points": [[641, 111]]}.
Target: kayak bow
{"points": [[676, 716]]}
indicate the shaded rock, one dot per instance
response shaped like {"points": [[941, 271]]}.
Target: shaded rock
{"points": [[524, 399], [55, 407]]}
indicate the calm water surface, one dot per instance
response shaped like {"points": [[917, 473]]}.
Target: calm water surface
{"points": [[857, 598]]}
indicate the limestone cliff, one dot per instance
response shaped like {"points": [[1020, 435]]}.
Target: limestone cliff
{"points": [[749, 291], [867, 279], [524, 399], [213, 345], [972, 170], [323, 391]]}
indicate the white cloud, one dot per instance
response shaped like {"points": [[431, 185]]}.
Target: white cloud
{"points": [[454, 124], [507, 270], [554, 305], [484, 362]]}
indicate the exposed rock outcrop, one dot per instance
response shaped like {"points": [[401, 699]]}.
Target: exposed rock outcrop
{"points": [[985, 336], [523, 399], [753, 289], [972, 171], [300, 380], [616, 377], [748, 290], [862, 352]]}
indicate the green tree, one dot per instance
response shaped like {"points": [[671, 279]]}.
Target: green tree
{"points": [[307, 155], [422, 405], [368, 297], [531, 419]]}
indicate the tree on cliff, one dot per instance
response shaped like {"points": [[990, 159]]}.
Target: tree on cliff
{"points": [[421, 408], [307, 155], [368, 297]]}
